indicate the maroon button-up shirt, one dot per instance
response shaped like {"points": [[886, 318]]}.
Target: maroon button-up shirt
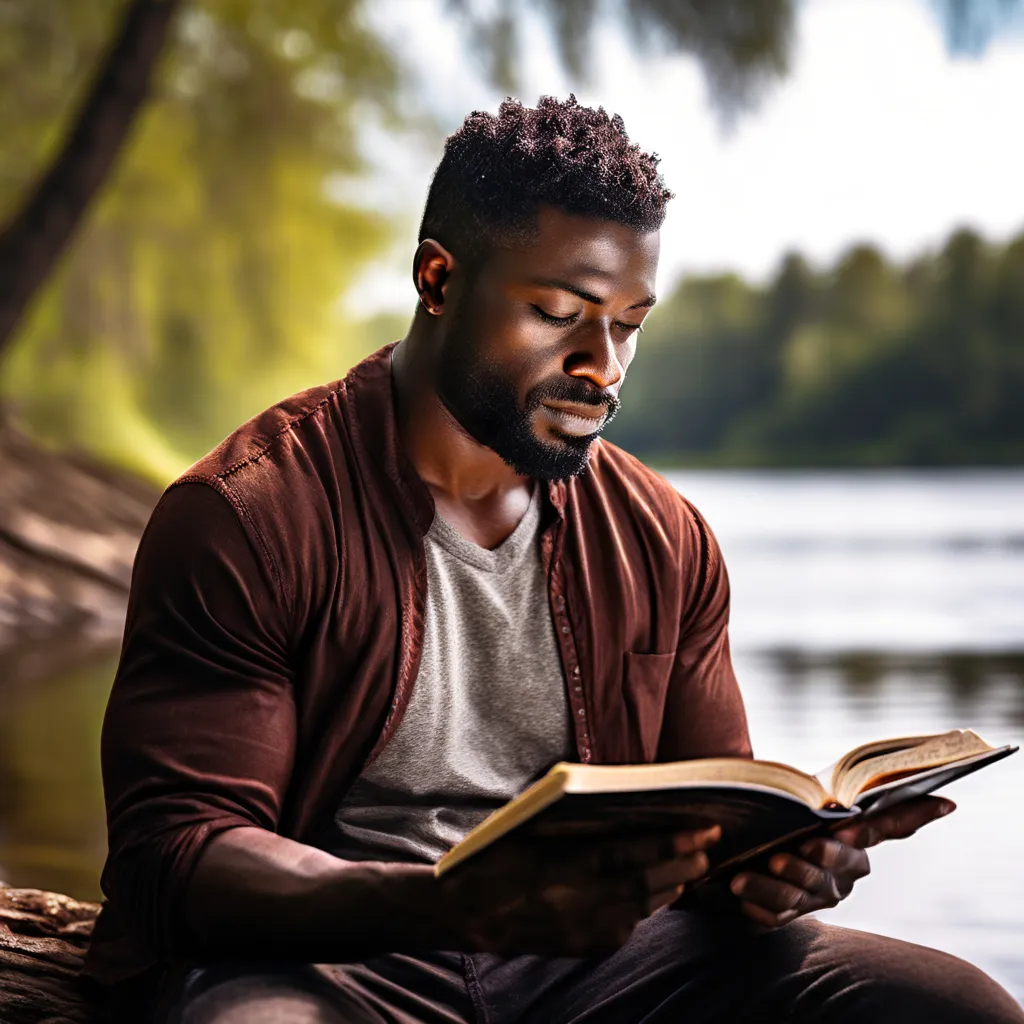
{"points": [[276, 623]]}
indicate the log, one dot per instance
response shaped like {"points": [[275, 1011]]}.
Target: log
{"points": [[43, 938]]}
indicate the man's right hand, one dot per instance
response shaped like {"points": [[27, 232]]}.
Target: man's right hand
{"points": [[567, 898], [254, 894]]}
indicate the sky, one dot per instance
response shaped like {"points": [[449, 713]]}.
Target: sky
{"points": [[878, 134]]}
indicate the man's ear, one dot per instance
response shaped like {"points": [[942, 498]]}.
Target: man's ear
{"points": [[431, 268]]}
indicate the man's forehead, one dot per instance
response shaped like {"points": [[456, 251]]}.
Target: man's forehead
{"points": [[575, 248]]}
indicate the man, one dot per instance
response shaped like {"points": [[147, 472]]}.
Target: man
{"points": [[380, 609]]}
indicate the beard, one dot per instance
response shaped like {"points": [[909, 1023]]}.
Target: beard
{"points": [[483, 399]]}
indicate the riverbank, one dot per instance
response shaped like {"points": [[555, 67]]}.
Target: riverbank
{"points": [[69, 527]]}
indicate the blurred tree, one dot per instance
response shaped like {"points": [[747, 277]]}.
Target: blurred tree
{"points": [[740, 45], [205, 280], [36, 235], [204, 283], [865, 364], [1006, 323], [700, 368], [861, 304]]}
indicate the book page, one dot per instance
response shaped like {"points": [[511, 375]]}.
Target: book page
{"points": [[939, 750], [587, 778], [888, 793], [832, 776]]}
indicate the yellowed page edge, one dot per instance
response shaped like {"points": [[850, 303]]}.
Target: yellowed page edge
{"points": [[637, 778], [942, 749], [833, 775]]}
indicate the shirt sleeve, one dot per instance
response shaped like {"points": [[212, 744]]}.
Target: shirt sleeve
{"points": [[199, 733], [704, 713]]}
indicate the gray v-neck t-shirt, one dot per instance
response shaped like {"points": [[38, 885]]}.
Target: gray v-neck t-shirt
{"points": [[488, 713]]}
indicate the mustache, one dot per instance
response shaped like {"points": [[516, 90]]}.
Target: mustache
{"points": [[571, 389]]}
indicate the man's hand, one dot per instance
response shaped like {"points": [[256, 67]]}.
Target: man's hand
{"points": [[558, 897], [827, 867], [579, 898]]}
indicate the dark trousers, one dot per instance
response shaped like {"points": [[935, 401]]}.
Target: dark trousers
{"points": [[678, 968]]}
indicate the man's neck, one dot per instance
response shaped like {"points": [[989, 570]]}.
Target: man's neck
{"points": [[473, 489]]}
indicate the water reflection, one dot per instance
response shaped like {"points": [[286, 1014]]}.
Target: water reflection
{"points": [[52, 831], [967, 681]]}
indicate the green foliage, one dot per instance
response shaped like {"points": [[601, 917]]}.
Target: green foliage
{"points": [[205, 282], [867, 364]]}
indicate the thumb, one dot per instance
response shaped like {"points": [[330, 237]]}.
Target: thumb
{"points": [[895, 823]]}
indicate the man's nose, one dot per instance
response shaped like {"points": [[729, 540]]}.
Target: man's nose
{"points": [[596, 357]]}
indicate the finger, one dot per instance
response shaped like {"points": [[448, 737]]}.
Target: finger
{"points": [[694, 841], [655, 887], [632, 891], [840, 859], [774, 895], [805, 875], [895, 823], [673, 873], [616, 855], [663, 899], [766, 917]]}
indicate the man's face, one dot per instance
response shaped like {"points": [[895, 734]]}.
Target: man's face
{"points": [[538, 342]]}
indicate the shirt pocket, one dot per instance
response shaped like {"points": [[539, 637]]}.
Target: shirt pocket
{"points": [[645, 688]]}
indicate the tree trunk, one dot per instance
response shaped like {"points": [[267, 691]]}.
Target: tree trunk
{"points": [[33, 240]]}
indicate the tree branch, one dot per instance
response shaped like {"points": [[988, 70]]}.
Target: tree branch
{"points": [[33, 240]]}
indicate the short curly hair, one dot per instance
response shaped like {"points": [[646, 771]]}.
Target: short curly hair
{"points": [[497, 171]]}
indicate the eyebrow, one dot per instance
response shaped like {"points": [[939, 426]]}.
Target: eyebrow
{"points": [[581, 293]]}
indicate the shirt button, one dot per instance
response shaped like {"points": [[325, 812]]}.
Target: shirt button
{"points": [[565, 629], [577, 689], [559, 601], [576, 670], [581, 712], [586, 753]]}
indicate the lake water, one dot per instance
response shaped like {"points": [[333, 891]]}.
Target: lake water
{"points": [[888, 604], [864, 606]]}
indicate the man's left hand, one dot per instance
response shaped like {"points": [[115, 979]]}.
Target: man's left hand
{"points": [[825, 869]]}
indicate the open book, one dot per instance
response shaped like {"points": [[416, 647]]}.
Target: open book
{"points": [[759, 804]]}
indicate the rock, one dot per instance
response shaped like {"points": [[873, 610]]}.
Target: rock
{"points": [[43, 938]]}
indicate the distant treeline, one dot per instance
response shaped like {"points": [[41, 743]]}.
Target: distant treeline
{"points": [[867, 363]]}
